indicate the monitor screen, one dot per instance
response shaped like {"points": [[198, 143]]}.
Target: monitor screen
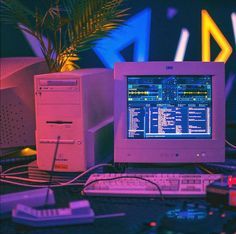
{"points": [[169, 106]]}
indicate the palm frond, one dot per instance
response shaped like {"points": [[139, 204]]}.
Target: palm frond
{"points": [[13, 12], [70, 26], [96, 19]]}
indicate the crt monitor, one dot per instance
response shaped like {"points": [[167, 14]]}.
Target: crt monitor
{"points": [[17, 115], [169, 112]]}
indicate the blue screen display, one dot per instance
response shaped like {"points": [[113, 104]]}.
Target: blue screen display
{"points": [[173, 107]]}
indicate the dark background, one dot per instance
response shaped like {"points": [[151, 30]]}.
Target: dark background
{"points": [[164, 37]]}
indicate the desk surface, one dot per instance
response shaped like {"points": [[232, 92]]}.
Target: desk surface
{"points": [[139, 211]]}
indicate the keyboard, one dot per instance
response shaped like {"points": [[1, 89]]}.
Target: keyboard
{"points": [[148, 185]]}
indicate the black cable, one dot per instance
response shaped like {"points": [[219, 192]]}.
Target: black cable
{"points": [[230, 144], [203, 168], [120, 177], [53, 164]]}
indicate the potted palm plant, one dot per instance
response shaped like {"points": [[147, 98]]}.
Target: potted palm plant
{"points": [[69, 26]]}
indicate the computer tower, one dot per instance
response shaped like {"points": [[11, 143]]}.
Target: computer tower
{"points": [[74, 119]]}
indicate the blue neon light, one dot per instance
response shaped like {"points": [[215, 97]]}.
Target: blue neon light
{"points": [[136, 30]]}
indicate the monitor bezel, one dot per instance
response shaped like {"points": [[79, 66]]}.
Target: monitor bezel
{"points": [[199, 150]]}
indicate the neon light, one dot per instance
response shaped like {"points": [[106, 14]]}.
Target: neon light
{"points": [[136, 30], [233, 18], [209, 27], [182, 44]]}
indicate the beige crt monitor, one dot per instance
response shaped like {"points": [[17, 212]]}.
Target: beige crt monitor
{"points": [[169, 112], [17, 101]]}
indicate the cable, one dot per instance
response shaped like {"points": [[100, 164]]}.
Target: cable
{"points": [[16, 167], [25, 185], [109, 215], [38, 186], [121, 177], [11, 176], [53, 164], [64, 183], [205, 169], [85, 172], [14, 173], [230, 144], [70, 182], [24, 179]]}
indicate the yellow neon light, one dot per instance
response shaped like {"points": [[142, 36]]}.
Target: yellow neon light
{"points": [[209, 27]]}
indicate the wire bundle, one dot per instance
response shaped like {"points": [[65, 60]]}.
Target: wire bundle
{"points": [[10, 177]]}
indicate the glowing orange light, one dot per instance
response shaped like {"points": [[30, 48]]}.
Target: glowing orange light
{"points": [[209, 27], [27, 152]]}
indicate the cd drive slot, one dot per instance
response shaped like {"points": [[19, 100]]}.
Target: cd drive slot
{"points": [[59, 122], [54, 141], [58, 82]]}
